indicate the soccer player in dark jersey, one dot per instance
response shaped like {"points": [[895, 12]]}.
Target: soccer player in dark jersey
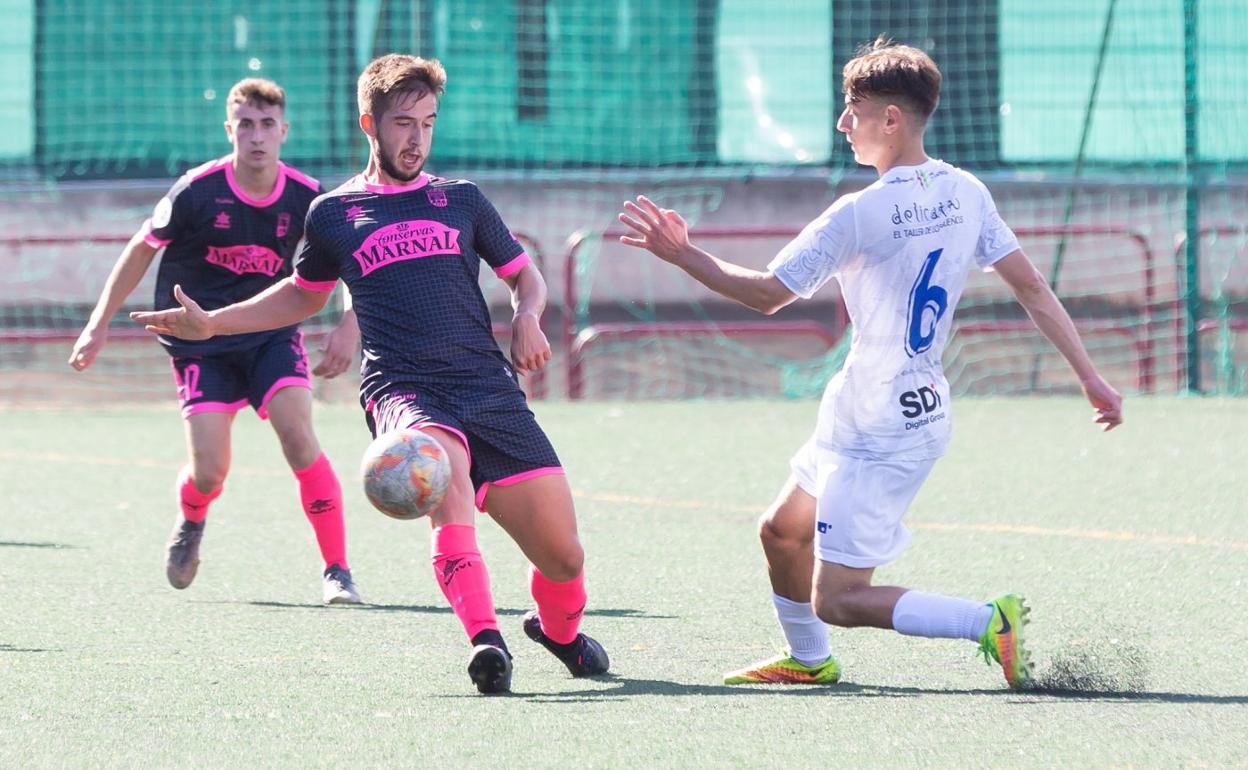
{"points": [[409, 247], [229, 229]]}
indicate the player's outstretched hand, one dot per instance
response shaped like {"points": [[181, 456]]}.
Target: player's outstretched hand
{"points": [[1105, 400], [530, 350], [338, 348], [660, 231], [188, 322], [88, 346]]}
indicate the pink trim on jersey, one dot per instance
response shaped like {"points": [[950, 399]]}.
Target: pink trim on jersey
{"points": [[212, 406], [551, 470], [390, 189], [150, 239], [514, 266], [212, 166], [284, 382], [278, 187], [322, 286], [299, 177]]}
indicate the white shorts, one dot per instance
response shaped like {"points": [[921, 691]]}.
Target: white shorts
{"points": [[859, 504]]}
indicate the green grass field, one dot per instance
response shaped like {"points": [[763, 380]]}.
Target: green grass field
{"points": [[1131, 547]]}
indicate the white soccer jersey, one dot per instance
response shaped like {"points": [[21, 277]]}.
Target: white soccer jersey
{"points": [[901, 250]]}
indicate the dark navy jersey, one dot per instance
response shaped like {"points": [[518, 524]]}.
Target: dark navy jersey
{"points": [[411, 257], [223, 246]]}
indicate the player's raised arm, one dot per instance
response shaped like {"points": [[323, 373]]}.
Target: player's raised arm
{"points": [[135, 258], [665, 234], [1046, 311], [282, 304]]}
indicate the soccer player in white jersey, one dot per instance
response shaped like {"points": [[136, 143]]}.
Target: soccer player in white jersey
{"points": [[901, 250]]}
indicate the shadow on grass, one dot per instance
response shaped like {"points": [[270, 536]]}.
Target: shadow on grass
{"points": [[18, 544], [618, 687], [1127, 696], [10, 648], [440, 610]]}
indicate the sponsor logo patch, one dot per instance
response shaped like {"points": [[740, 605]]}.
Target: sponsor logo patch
{"points": [[241, 260], [406, 240]]}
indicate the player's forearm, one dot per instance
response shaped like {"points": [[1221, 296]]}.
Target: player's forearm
{"points": [[752, 288], [528, 296], [349, 321], [1051, 318], [282, 304], [126, 274]]}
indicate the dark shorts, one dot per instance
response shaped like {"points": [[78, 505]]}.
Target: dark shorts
{"points": [[504, 442], [227, 382]]}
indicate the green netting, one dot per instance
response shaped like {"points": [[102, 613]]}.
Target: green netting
{"points": [[1110, 132]]}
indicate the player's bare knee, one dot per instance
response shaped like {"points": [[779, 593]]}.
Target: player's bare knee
{"points": [[459, 505], [299, 445], [208, 476], [564, 564], [775, 536], [834, 609]]}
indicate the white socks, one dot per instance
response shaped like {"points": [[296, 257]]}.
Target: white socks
{"points": [[806, 634], [946, 617]]}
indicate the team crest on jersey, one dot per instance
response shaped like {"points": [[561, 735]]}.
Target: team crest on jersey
{"points": [[283, 224], [222, 222], [406, 240], [437, 198]]}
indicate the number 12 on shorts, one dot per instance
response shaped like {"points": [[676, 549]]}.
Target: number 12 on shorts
{"points": [[928, 304]]}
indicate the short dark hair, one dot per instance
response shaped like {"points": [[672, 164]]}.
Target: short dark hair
{"points": [[888, 69], [393, 74], [257, 91]]}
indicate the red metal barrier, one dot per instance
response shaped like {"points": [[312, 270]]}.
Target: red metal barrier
{"points": [[577, 339], [1144, 343], [538, 384]]}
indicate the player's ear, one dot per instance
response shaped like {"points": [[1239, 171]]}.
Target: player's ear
{"points": [[892, 119], [285, 131], [367, 125], [229, 131]]}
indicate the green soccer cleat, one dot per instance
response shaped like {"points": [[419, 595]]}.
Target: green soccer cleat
{"points": [[1003, 640], [785, 669]]}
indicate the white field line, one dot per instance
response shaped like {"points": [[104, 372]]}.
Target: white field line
{"points": [[1125, 536]]}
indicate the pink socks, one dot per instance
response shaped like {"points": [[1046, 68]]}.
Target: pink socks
{"points": [[559, 605], [461, 574], [321, 495], [194, 504]]}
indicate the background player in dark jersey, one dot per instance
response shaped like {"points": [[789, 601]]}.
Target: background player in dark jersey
{"points": [[409, 248], [229, 229]]}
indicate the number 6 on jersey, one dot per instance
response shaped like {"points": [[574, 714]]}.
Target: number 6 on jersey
{"points": [[925, 297]]}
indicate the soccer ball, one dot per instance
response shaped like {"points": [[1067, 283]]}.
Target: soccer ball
{"points": [[406, 473]]}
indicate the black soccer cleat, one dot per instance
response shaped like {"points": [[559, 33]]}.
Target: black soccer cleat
{"points": [[490, 669], [182, 556], [583, 656]]}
